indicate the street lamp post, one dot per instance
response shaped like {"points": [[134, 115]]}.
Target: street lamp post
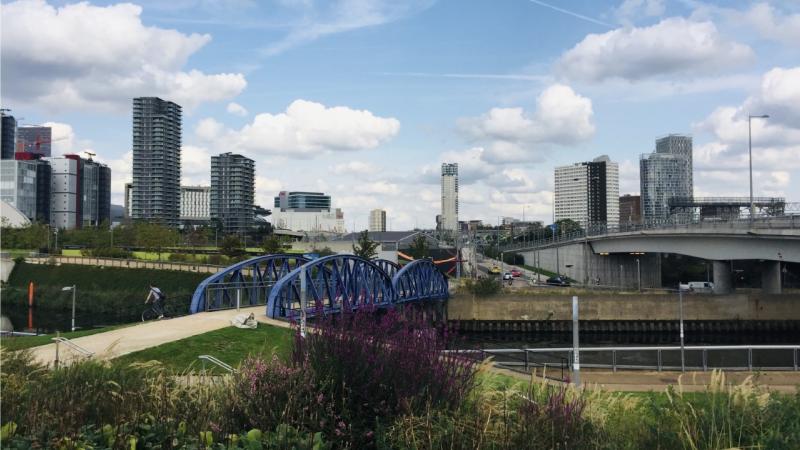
{"points": [[680, 313], [73, 289], [638, 274], [750, 151]]}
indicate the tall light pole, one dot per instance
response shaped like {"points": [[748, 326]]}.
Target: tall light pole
{"points": [[71, 288], [750, 151]]}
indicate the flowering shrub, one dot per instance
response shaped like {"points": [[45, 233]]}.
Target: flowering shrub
{"points": [[375, 368], [551, 417]]}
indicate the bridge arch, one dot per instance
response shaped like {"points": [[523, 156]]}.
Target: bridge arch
{"points": [[251, 280], [391, 268], [333, 283], [420, 280]]}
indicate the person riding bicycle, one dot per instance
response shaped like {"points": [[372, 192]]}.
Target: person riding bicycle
{"points": [[158, 298]]}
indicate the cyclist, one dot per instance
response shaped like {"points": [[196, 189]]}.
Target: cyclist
{"points": [[158, 298]]}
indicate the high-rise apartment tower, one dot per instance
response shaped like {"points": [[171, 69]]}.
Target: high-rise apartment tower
{"points": [[156, 195], [377, 220], [449, 219], [665, 174], [232, 192], [588, 192]]}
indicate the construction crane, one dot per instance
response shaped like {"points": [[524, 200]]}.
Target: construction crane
{"points": [[90, 153]]}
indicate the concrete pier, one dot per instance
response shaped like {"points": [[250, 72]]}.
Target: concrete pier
{"points": [[771, 277], [723, 277]]}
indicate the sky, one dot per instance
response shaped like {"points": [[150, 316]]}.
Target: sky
{"points": [[364, 99]]}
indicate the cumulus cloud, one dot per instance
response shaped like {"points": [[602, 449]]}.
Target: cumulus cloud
{"points": [[354, 168], [304, 130], [236, 109], [768, 21], [672, 46], [776, 140], [85, 56], [561, 117]]}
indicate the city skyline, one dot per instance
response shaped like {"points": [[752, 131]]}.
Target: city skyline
{"points": [[386, 116]]}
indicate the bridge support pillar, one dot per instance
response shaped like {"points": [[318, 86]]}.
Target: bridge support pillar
{"points": [[771, 277], [723, 277]]}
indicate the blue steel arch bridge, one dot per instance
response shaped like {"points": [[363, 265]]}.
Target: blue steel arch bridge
{"points": [[332, 284]]}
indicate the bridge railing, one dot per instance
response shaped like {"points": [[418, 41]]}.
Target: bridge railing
{"points": [[790, 221], [240, 294]]}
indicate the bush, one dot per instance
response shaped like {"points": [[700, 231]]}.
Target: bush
{"points": [[483, 287], [377, 369], [107, 252]]}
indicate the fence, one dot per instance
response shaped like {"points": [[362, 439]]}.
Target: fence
{"points": [[123, 263], [789, 221], [723, 357]]}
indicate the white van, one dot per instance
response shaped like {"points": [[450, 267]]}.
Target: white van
{"points": [[697, 286]]}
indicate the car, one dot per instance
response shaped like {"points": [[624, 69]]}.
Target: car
{"points": [[516, 273], [494, 269], [507, 276], [557, 281]]}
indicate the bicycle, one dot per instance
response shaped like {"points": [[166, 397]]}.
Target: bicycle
{"points": [[150, 314]]}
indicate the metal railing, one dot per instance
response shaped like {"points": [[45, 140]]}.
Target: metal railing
{"points": [[703, 357], [215, 361], [62, 340], [237, 295], [40, 258], [510, 359], [788, 221]]}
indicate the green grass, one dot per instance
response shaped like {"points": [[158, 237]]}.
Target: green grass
{"points": [[23, 342], [230, 345]]}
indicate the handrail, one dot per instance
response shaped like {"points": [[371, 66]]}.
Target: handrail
{"points": [[216, 361], [74, 346]]}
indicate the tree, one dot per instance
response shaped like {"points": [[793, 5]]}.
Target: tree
{"points": [[365, 247], [567, 226], [231, 246], [154, 237], [324, 251], [272, 245], [419, 247]]}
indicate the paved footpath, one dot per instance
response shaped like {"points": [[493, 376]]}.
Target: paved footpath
{"points": [[150, 334]]}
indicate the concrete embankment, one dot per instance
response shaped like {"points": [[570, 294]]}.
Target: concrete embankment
{"points": [[550, 312]]}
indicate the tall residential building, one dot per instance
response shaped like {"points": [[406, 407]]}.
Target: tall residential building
{"points": [[8, 132], [377, 220], [449, 197], [588, 192], [156, 195], [195, 203], [233, 192], [34, 139], [128, 203], [665, 174], [18, 185], [80, 192], [64, 205], [630, 209], [306, 211]]}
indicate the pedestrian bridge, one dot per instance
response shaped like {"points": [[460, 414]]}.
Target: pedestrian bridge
{"points": [[331, 284]]}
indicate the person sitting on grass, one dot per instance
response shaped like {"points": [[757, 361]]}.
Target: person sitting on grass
{"points": [[158, 298]]}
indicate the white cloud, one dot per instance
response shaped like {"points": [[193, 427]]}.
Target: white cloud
{"points": [[354, 168], [305, 130], [769, 22], [236, 109], [85, 56], [672, 46], [722, 163], [562, 117]]}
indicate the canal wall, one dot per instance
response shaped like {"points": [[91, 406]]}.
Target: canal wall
{"points": [[536, 306]]}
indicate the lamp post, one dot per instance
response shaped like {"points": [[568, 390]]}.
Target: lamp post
{"points": [[638, 275], [73, 289], [680, 314], [750, 151]]}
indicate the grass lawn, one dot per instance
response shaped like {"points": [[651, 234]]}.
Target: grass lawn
{"points": [[22, 342], [230, 345]]}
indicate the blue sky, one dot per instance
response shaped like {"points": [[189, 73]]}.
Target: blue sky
{"points": [[364, 99]]}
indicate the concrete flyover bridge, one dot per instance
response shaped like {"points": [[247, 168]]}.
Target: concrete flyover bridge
{"points": [[631, 258], [331, 284]]}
